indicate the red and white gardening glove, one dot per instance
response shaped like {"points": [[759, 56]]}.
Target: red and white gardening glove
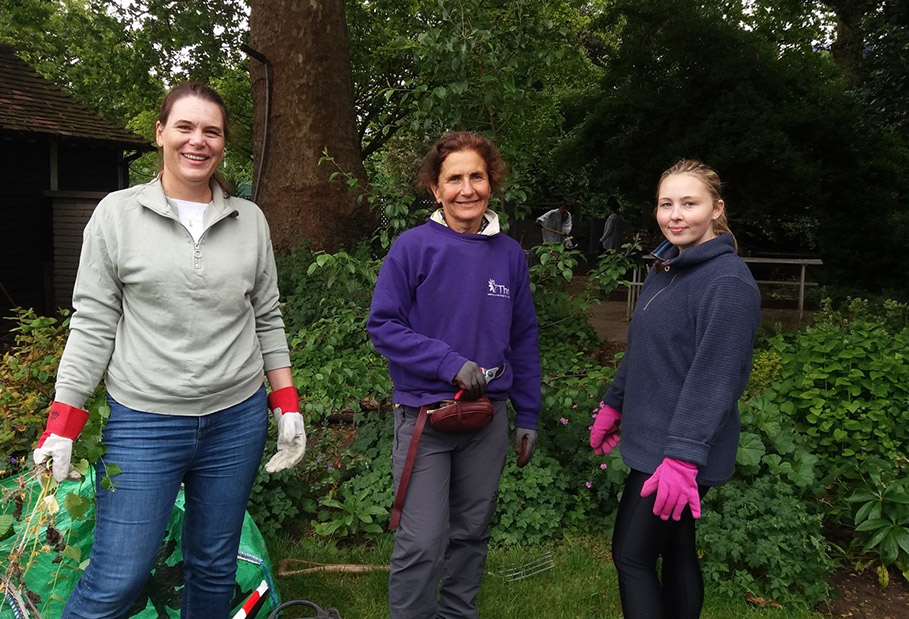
{"points": [[64, 423], [675, 484], [285, 406], [604, 434]]}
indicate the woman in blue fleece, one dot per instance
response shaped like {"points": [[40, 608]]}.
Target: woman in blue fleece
{"points": [[675, 394], [453, 296]]}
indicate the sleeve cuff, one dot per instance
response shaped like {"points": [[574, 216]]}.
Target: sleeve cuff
{"points": [[688, 450], [70, 397], [450, 365], [276, 360], [527, 420]]}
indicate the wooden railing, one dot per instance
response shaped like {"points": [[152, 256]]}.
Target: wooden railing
{"points": [[640, 272]]}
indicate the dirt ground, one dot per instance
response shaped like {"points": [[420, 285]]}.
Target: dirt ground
{"points": [[861, 597], [610, 321]]}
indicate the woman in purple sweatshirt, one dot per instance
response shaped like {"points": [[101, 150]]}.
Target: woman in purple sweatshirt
{"points": [[675, 394], [453, 297]]}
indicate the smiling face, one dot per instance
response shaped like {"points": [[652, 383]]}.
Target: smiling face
{"points": [[463, 190], [686, 210], [192, 144]]}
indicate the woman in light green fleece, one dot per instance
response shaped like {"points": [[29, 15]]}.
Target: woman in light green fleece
{"points": [[177, 309]]}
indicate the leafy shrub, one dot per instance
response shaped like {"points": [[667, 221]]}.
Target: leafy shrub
{"points": [[333, 362], [278, 499], [532, 502], [758, 536], [335, 365], [881, 515], [847, 386], [369, 462], [759, 532], [28, 372]]}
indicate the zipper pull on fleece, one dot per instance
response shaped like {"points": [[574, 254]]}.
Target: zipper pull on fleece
{"points": [[197, 256]]}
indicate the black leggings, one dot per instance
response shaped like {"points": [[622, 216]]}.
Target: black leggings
{"points": [[640, 538]]}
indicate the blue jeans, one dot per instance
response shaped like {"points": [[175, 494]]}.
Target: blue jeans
{"points": [[216, 458]]}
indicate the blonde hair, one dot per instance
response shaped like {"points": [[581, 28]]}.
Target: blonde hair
{"points": [[711, 180]]}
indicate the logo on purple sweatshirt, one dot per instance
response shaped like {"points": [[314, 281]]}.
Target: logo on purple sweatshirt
{"points": [[498, 290]]}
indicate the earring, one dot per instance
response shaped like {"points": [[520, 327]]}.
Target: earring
{"points": [[715, 216]]}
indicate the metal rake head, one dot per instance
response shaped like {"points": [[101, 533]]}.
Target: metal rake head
{"points": [[530, 568]]}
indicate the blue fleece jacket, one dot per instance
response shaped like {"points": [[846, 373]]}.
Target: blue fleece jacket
{"points": [[443, 298], [688, 360]]}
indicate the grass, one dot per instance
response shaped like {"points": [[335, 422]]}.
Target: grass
{"points": [[582, 584]]}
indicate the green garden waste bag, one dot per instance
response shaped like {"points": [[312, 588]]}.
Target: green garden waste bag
{"points": [[46, 543]]}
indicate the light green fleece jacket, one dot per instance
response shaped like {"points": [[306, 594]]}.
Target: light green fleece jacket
{"points": [[180, 328]]}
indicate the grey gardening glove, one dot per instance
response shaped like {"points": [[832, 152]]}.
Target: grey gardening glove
{"points": [[525, 443], [470, 378]]}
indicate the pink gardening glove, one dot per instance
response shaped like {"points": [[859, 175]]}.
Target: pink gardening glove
{"points": [[676, 486], [604, 435]]}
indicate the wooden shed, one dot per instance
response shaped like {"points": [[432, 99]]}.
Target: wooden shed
{"points": [[58, 158]]}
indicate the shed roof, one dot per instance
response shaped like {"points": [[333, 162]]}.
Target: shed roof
{"points": [[32, 105]]}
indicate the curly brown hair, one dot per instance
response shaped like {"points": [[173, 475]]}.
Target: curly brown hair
{"points": [[456, 141]]}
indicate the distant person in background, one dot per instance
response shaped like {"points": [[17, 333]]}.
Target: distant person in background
{"points": [[675, 395], [612, 231], [556, 225]]}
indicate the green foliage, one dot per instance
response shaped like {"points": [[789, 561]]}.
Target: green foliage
{"points": [[757, 536], [766, 369], [365, 496], [847, 387], [118, 58], [326, 306], [770, 445], [356, 515], [369, 461], [800, 157], [278, 499], [532, 502], [27, 375], [881, 513], [561, 310]]}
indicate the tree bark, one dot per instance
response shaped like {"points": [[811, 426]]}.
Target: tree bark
{"points": [[312, 109], [848, 47]]}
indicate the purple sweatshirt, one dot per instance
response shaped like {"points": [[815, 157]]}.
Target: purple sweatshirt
{"points": [[443, 298]]}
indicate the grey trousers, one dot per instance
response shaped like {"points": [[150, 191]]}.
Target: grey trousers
{"points": [[444, 530]]}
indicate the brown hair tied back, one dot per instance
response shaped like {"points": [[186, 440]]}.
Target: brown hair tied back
{"points": [[456, 141], [710, 179], [206, 93]]}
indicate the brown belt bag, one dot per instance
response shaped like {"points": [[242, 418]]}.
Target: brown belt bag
{"points": [[449, 416], [459, 416]]}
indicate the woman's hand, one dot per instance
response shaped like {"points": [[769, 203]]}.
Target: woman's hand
{"points": [[285, 405], [64, 423], [675, 484], [604, 435], [470, 378]]}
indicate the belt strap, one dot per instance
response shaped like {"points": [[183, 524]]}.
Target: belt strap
{"points": [[408, 467]]}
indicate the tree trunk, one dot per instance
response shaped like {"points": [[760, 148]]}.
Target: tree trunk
{"points": [[848, 47], [312, 109]]}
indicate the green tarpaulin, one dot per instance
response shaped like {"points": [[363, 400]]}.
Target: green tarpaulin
{"points": [[49, 560]]}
